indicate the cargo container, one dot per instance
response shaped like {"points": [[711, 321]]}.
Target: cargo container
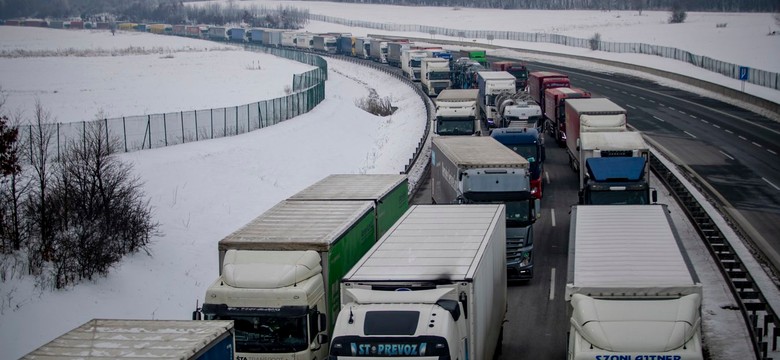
{"points": [[255, 36], [441, 298], [179, 30], [539, 81], [272, 37], [217, 33], [147, 339], [236, 34], [555, 121], [394, 51], [631, 291]]}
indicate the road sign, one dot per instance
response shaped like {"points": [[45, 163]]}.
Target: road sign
{"points": [[744, 71]]}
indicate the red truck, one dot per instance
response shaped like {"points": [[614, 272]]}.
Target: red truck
{"points": [[539, 81], [518, 70], [555, 121]]}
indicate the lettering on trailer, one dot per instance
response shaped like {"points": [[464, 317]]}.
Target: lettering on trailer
{"points": [[638, 357], [388, 349]]}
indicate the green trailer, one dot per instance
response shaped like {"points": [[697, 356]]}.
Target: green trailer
{"points": [[477, 55], [389, 192]]}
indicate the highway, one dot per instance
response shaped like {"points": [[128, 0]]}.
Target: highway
{"points": [[734, 150]]}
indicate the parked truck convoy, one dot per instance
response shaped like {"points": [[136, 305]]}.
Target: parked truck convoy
{"points": [[147, 339], [554, 99], [614, 169], [434, 75], [526, 142], [491, 84], [478, 170], [394, 51], [279, 274], [441, 298], [539, 81], [456, 112], [630, 293], [378, 50]]}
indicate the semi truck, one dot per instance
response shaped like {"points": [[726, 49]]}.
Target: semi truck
{"points": [[477, 55], [346, 45], [442, 298], [464, 73], [434, 75], [394, 51], [590, 115], [614, 169], [539, 81], [378, 50], [527, 142], [491, 84], [631, 291], [304, 40], [517, 110], [411, 60], [325, 43], [272, 37], [477, 170], [518, 70], [456, 112], [555, 120], [148, 339]]}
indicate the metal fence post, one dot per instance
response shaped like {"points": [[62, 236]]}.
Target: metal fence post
{"points": [[181, 116], [124, 131], [165, 129]]}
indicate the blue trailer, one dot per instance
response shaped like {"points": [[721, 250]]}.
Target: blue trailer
{"points": [[346, 45], [255, 36], [150, 339], [236, 34]]}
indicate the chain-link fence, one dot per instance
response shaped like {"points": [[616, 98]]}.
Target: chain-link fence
{"points": [[158, 130], [755, 76]]}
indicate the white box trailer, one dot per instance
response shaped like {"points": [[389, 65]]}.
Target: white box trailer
{"points": [[433, 287], [631, 291], [147, 339]]}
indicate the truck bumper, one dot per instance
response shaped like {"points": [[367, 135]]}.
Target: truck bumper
{"points": [[521, 267]]}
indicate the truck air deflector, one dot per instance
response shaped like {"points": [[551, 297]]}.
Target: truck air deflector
{"points": [[616, 168], [636, 325]]}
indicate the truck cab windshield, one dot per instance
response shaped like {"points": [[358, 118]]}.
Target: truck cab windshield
{"points": [[528, 151], [518, 213], [439, 75], [627, 197], [454, 126], [268, 334]]}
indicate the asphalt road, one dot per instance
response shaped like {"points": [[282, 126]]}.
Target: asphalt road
{"points": [[734, 150]]}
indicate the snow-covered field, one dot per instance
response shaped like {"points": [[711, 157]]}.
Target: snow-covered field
{"points": [[203, 191]]}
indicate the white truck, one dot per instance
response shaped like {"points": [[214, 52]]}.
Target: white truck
{"points": [[614, 169], [411, 60], [147, 339], [434, 75], [456, 112], [478, 170], [631, 291], [590, 115], [434, 287], [491, 84]]}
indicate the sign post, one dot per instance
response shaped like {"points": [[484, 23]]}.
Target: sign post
{"points": [[744, 72]]}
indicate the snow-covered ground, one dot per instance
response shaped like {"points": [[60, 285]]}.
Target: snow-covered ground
{"points": [[202, 191]]}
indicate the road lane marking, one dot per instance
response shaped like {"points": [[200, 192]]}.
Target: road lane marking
{"points": [[630, 106], [671, 108], [634, 95], [552, 284], [659, 119], [716, 126], [729, 131], [770, 183], [727, 155], [547, 176], [693, 116], [773, 153], [552, 216], [756, 144], [642, 97], [742, 137], [624, 93], [683, 112], [691, 135], [652, 101], [662, 104], [705, 121]]}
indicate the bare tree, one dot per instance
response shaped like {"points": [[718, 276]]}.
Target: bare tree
{"points": [[100, 210], [13, 186], [639, 5], [42, 133]]}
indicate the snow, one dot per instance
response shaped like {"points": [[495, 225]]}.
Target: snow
{"points": [[203, 191]]}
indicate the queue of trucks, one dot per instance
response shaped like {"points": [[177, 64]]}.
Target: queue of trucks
{"points": [[346, 268]]}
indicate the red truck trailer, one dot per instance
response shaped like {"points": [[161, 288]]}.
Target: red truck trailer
{"points": [[539, 81], [555, 122]]}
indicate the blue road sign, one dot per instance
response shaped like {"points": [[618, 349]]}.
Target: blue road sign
{"points": [[743, 72]]}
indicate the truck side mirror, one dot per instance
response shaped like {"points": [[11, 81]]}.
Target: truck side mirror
{"points": [[537, 208], [544, 153], [322, 322], [654, 195]]}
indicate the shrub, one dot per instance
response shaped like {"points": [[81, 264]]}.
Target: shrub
{"points": [[678, 14], [375, 105], [595, 41]]}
